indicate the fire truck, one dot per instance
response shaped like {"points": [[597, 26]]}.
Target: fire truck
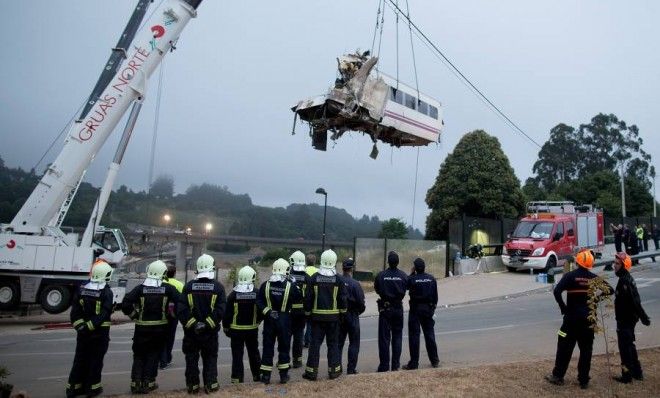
{"points": [[40, 263], [551, 233]]}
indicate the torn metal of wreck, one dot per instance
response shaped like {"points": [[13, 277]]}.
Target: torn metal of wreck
{"points": [[381, 107]]}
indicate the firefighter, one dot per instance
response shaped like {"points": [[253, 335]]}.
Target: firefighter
{"points": [[151, 306], [325, 303], [166, 355], [310, 269], [628, 310], [423, 293], [351, 323], [576, 328], [298, 320], [90, 317], [391, 286], [241, 324], [274, 301], [200, 310]]}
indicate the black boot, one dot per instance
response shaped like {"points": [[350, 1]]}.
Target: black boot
{"points": [[265, 377], [284, 376], [625, 378], [551, 378]]}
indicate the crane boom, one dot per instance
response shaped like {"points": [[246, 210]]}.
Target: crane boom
{"points": [[88, 135]]}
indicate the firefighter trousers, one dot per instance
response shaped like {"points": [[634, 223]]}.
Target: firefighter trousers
{"points": [[241, 340], [330, 331], [630, 366], [204, 345], [85, 376], [421, 316], [298, 322], [148, 343], [570, 333], [390, 330], [276, 330], [350, 328], [166, 355]]}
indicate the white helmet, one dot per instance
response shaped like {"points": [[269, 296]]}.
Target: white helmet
{"points": [[329, 260], [205, 266], [246, 276], [280, 267], [297, 260], [157, 270], [101, 272]]}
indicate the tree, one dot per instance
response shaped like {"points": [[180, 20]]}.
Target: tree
{"points": [[393, 228], [162, 187], [475, 179]]}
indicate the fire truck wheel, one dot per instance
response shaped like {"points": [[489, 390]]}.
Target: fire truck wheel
{"points": [[552, 263], [511, 269], [10, 295], [55, 299]]}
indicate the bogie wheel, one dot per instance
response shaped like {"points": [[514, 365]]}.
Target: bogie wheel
{"points": [[10, 295], [55, 299]]}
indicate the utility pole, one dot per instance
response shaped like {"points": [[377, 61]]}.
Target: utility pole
{"points": [[623, 192], [655, 214]]}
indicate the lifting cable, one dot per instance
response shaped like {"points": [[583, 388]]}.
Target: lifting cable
{"points": [[419, 99], [156, 119], [392, 4]]}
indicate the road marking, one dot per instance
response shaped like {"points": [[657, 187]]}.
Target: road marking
{"points": [[649, 301], [645, 282]]}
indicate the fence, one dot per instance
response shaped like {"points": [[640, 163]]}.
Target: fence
{"points": [[371, 254], [490, 233]]}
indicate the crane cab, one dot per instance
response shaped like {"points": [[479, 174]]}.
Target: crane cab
{"points": [[113, 243]]}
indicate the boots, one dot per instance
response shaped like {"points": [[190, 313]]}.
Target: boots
{"points": [[265, 377], [284, 376]]}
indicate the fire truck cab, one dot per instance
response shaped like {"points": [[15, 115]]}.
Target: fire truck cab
{"points": [[551, 233]]}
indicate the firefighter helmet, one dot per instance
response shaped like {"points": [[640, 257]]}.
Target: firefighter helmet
{"points": [[328, 259], [246, 275], [280, 267], [101, 272], [625, 259], [157, 270], [297, 260], [585, 259]]}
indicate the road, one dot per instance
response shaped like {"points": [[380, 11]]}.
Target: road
{"points": [[524, 328]]}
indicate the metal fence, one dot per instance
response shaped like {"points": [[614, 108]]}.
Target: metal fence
{"points": [[371, 254], [487, 232]]}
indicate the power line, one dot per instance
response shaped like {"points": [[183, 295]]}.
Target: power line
{"points": [[460, 74]]}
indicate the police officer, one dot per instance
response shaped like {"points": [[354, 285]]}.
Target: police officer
{"points": [[627, 310], [325, 303], [166, 355], [200, 310], [274, 301], [241, 323], [351, 323], [298, 320], [391, 286], [423, 293], [90, 316], [576, 328], [150, 305]]}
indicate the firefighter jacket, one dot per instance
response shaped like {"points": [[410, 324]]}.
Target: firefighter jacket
{"points": [[422, 289], [391, 286], [151, 306], [627, 304], [91, 309], [277, 296], [203, 300], [325, 299], [354, 295], [576, 285], [242, 312], [301, 280]]}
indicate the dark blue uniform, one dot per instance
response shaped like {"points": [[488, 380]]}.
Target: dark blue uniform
{"points": [[391, 286], [628, 311], [575, 328], [90, 316], [298, 318], [351, 324], [241, 325], [423, 293], [274, 301]]}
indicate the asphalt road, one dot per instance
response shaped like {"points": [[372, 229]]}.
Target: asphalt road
{"points": [[524, 328]]}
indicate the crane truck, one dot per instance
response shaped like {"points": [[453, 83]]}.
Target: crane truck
{"points": [[39, 263]]}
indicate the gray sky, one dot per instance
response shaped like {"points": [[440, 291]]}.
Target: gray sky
{"points": [[241, 65]]}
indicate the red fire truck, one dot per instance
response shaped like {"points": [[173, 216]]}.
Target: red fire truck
{"points": [[551, 233]]}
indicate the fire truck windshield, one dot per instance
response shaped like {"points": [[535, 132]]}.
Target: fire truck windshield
{"points": [[534, 230]]}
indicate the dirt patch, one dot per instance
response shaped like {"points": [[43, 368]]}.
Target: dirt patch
{"points": [[519, 379]]}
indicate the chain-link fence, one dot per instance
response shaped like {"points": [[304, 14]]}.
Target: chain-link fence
{"points": [[371, 254]]}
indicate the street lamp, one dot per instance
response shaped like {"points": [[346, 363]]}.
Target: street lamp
{"points": [[208, 227], [322, 191], [167, 219]]}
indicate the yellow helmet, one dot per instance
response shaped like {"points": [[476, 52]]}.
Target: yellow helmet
{"points": [[280, 267], [157, 270], [297, 260], [101, 272], [329, 259], [246, 275]]}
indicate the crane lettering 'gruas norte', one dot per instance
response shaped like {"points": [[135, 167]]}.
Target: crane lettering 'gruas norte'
{"points": [[372, 103]]}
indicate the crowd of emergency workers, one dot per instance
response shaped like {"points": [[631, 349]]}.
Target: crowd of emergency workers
{"points": [[300, 306]]}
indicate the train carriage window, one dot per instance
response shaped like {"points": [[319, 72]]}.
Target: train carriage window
{"points": [[423, 107], [396, 95], [411, 101], [433, 111]]}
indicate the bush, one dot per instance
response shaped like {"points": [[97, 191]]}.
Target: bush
{"points": [[227, 248], [273, 254]]}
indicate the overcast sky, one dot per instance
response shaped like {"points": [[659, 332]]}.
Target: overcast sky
{"points": [[241, 65]]}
